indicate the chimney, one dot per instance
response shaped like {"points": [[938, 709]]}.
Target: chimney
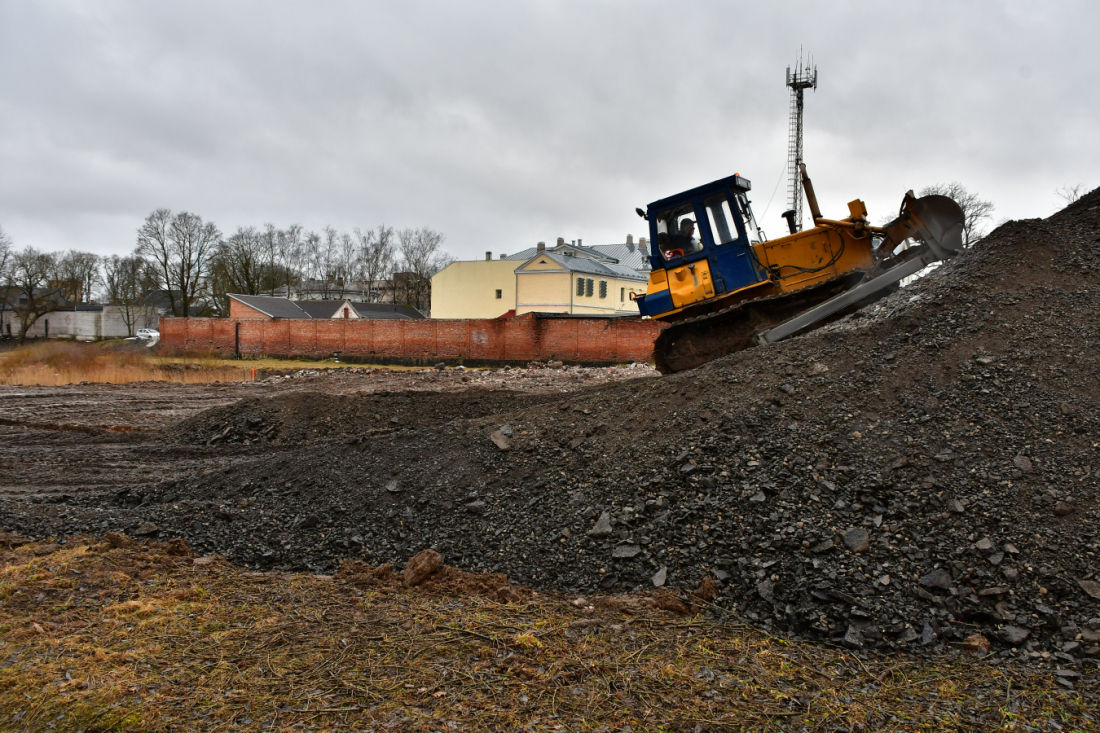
{"points": [[503, 256], [561, 241], [630, 239], [541, 247], [579, 243], [488, 255]]}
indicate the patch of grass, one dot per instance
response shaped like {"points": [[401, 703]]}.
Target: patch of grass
{"points": [[53, 363], [150, 640], [69, 362]]}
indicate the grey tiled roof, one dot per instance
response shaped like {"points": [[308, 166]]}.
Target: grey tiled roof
{"points": [[636, 257], [532, 251], [524, 255], [633, 256], [627, 271], [274, 307], [319, 308], [592, 267], [387, 311]]}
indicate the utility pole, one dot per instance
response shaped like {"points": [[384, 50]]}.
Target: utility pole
{"points": [[801, 78]]}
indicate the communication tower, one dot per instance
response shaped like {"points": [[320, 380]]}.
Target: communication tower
{"points": [[802, 77]]}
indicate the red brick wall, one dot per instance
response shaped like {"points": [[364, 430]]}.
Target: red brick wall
{"points": [[238, 309], [526, 338]]}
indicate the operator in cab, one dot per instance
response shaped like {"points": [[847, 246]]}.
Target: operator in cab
{"points": [[685, 242]]}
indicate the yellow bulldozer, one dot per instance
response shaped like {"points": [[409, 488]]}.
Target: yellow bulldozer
{"points": [[725, 287]]}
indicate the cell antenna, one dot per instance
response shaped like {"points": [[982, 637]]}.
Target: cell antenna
{"points": [[802, 77]]}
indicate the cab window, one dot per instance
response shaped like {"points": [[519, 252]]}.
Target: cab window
{"points": [[678, 232], [723, 227], [755, 235]]}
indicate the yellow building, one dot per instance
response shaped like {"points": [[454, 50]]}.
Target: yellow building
{"points": [[478, 289], [552, 282]]}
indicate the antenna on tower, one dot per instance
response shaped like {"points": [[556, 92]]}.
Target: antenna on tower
{"points": [[804, 76]]}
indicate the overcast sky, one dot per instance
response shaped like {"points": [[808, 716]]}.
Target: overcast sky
{"points": [[504, 123]]}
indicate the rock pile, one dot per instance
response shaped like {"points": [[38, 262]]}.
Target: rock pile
{"points": [[917, 473]]}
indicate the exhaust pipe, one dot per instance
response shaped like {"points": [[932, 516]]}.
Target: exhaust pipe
{"points": [[811, 199]]}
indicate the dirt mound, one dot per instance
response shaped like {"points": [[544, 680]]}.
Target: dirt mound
{"points": [[308, 415], [920, 471], [446, 581]]}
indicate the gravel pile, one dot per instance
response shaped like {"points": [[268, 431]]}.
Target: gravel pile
{"points": [[906, 477], [299, 417]]}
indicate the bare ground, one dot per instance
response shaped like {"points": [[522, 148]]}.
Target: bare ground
{"points": [[66, 440]]}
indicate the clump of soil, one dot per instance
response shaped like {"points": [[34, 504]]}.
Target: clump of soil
{"points": [[446, 581]]}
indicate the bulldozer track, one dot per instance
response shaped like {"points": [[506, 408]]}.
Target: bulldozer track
{"points": [[694, 341]]}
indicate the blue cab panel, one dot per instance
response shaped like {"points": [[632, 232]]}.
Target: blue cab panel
{"points": [[655, 304], [721, 214]]}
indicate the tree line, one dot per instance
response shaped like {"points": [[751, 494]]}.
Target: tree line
{"points": [[187, 265]]}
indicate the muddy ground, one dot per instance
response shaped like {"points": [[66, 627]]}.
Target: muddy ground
{"points": [[76, 439], [905, 478]]}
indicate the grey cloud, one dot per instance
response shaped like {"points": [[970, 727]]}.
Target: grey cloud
{"points": [[501, 124]]}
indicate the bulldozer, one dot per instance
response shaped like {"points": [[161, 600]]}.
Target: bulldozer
{"points": [[724, 286]]}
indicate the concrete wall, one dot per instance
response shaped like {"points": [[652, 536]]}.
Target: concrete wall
{"points": [[522, 339], [468, 289], [83, 325]]}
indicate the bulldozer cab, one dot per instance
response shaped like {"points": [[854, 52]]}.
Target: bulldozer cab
{"points": [[702, 246]]}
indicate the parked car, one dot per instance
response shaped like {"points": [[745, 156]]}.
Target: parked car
{"points": [[148, 334]]}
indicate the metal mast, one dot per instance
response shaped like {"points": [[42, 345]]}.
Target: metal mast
{"points": [[803, 77]]}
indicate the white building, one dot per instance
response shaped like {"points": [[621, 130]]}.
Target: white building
{"points": [[84, 322]]}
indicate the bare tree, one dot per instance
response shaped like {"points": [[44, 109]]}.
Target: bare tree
{"points": [[324, 261], [243, 260], [77, 275], [347, 265], [182, 246], [975, 210], [421, 257], [195, 242], [1070, 194], [269, 247], [5, 251], [5, 263], [376, 257], [153, 244], [126, 280], [293, 257], [27, 288]]}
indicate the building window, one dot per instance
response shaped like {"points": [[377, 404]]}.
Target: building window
{"points": [[622, 295], [580, 286], [603, 288], [589, 287], [500, 294]]}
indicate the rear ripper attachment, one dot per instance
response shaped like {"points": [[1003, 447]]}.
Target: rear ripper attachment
{"points": [[725, 287]]}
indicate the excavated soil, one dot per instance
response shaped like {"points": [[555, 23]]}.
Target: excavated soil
{"points": [[913, 474]]}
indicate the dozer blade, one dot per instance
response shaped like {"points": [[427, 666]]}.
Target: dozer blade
{"points": [[938, 221]]}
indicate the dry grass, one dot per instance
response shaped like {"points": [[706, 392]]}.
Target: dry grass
{"points": [[67, 362], [134, 638]]}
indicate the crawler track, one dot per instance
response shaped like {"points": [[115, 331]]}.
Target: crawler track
{"points": [[695, 341]]}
